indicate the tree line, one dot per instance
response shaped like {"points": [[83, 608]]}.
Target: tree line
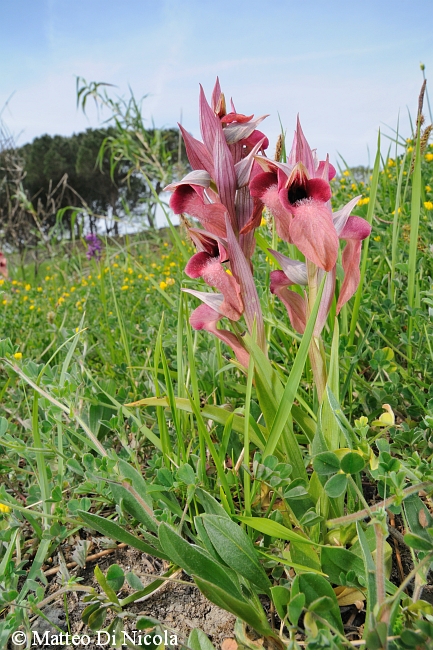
{"points": [[82, 178]]}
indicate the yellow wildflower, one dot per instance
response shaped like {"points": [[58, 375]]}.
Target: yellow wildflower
{"points": [[391, 162], [31, 307], [346, 172], [25, 298], [4, 508], [364, 201], [427, 188], [409, 149], [263, 222], [4, 302], [115, 265], [428, 205], [429, 157], [39, 289], [130, 271], [163, 285], [47, 278], [28, 287], [378, 238], [165, 244], [124, 288], [170, 281], [354, 186], [139, 276], [72, 289], [18, 355]]}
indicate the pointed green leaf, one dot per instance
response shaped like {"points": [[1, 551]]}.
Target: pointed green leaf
{"points": [[195, 561], [116, 532], [236, 549], [274, 529]]}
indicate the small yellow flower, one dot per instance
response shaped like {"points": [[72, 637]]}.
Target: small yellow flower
{"points": [[115, 265], [172, 264], [409, 149], [28, 287], [263, 222], [4, 508], [139, 276], [163, 285], [399, 210], [364, 201], [77, 329], [165, 244], [4, 302], [124, 288], [14, 282], [378, 238], [153, 265], [18, 356], [170, 282], [427, 188], [428, 205], [354, 187], [130, 271], [31, 307], [47, 278], [72, 289], [429, 157], [346, 172], [391, 162], [39, 289], [25, 298]]}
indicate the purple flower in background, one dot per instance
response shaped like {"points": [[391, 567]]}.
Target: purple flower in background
{"points": [[94, 247]]}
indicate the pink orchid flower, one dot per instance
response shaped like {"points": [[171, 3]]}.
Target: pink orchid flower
{"points": [[216, 193], [298, 194], [351, 229]]}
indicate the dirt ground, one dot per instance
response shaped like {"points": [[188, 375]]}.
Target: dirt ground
{"points": [[178, 607]]}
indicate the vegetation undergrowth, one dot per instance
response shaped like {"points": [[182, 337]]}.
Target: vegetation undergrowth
{"points": [[275, 460]]}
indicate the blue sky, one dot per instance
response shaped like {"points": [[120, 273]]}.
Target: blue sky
{"points": [[347, 68]]}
